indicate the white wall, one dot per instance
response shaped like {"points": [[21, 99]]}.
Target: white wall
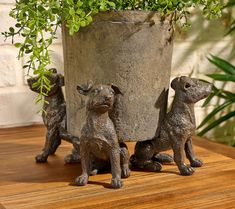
{"points": [[17, 102], [189, 58]]}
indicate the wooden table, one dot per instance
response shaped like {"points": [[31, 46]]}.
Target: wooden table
{"points": [[25, 184]]}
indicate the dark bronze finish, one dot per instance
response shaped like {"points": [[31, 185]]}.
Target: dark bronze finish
{"points": [[99, 142], [176, 129], [54, 119]]}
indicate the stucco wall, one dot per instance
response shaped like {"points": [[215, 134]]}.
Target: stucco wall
{"points": [[17, 103]]}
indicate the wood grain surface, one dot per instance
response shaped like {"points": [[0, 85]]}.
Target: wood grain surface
{"points": [[25, 184]]}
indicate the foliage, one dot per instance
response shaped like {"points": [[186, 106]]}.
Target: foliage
{"points": [[231, 27], [38, 21], [227, 96]]}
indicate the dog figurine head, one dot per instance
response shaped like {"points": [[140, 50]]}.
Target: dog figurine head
{"points": [[191, 90], [101, 97], [56, 80]]}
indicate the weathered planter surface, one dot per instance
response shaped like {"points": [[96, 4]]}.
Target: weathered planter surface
{"points": [[130, 49]]}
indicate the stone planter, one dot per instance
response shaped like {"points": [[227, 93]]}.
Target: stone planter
{"points": [[132, 49]]}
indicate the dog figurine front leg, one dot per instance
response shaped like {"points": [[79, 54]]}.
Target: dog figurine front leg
{"points": [[116, 181], [85, 162], [194, 162], [178, 149], [52, 136]]}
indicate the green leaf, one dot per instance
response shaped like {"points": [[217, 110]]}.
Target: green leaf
{"points": [[12, 30], [31, 24], [18, 25], [111, 4], [72, 12], [231, 28], [28, 51], [41, 8], [230, 3], [222, 64], [208, 99], [36, 84], [222, 77], [219, 92], [54, 10], [38, 99], [216, 123], [89, 19], [17, 45], [214, 112], [83, 23], [79, 3], [47, 81], [229, 95]]}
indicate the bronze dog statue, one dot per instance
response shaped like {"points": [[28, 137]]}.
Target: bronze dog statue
{"points": [[176, 129], [99, 142], [54, 118]]}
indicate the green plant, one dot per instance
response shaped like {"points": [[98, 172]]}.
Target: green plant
{"points": [[228, 97], [38, 21], [231, 27]]}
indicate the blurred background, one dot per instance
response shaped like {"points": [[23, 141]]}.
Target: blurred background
{"points": [[191, 49]]}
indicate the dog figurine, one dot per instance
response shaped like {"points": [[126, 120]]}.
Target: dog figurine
{"points": [[99, 141], [176, 129], [54, 118]]}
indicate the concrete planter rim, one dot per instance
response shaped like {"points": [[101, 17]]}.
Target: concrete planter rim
{"points": [[132, 16]]}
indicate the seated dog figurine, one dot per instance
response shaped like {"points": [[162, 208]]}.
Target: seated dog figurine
{"points": [[54, 119], [99, 142], [176, 129]]}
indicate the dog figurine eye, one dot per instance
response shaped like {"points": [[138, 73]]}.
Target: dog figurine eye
{"points": [[187, 85]]}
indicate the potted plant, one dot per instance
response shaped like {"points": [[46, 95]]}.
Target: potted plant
{"points": [[127, 42]]}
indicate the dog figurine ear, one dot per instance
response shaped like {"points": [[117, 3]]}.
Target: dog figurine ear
{"points": [[174, 83], [85, 89], [116, 89], [60, 80]]}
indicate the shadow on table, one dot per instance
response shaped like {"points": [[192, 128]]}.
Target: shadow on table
{"points": [[18, 164], [21, 165]]}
